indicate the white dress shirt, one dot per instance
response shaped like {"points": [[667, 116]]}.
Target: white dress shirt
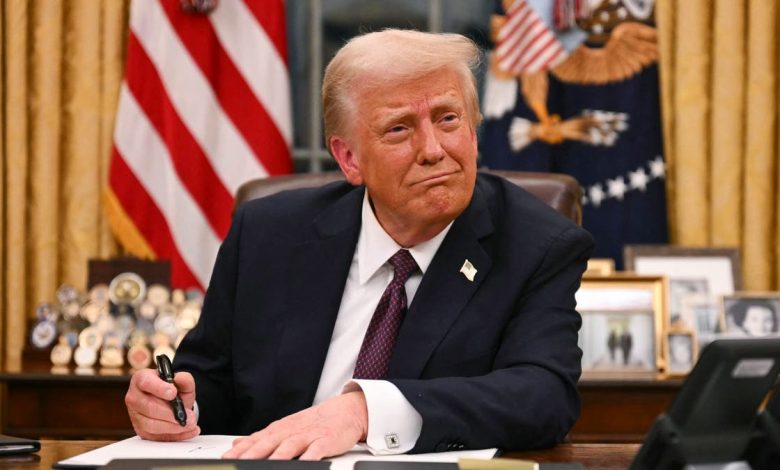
{"points": [[393, 423]]}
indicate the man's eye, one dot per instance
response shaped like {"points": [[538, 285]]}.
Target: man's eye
{"points": [[396, 129], [449, 117]]}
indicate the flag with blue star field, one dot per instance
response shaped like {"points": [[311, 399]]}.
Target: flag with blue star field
{"points": [[572, 87]]}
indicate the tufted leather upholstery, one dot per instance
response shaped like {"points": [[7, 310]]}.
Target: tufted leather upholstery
{"points": [[561, 192]]}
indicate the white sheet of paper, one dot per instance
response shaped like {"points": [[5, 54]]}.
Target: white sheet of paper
{"points": [[201, 447], [213, 446]]}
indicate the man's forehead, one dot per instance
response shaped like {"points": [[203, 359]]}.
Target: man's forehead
{"points": [[394, 101], [401, 91], [449, 97]]}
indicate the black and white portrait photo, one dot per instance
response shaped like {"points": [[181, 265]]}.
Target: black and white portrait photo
{"points": [[703, 312], [752, 316], [681, 352], [681, 290]]}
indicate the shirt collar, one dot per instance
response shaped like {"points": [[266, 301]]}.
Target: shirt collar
{"points": [[375, 246]]}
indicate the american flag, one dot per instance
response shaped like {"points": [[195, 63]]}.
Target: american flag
{"points": [[525, 43], [204, 107]]}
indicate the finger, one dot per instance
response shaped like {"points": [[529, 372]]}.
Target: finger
{"points": [[317, 450], [240, 445], [148, 381], [259, 446], [182, 436], [146, 426], [156, 409], [166, 424], [259, 450], [289, 448], [184, 382]]}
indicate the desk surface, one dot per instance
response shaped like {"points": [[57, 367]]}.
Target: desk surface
{"points": [[593, 456], [68, 403]]}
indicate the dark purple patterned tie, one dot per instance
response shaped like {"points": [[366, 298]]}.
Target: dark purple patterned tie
{"points": [[374, 357]]}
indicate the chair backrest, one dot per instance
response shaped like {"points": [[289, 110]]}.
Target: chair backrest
{"points": [[559, 191]]}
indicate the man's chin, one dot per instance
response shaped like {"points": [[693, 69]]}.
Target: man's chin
{"points": [[440, 209]]}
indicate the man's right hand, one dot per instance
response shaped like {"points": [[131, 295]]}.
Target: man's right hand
{"points": [[148, 404]]}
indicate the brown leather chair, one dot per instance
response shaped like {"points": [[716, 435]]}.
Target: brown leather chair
{"points": [[561, 192]]}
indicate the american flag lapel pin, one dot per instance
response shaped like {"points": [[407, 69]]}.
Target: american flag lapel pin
{"points": [[468, 270]]}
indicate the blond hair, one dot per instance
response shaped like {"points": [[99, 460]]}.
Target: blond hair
{"points": [[395, 56]]}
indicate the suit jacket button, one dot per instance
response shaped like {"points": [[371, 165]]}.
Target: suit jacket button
{"points": [[440, 447]]}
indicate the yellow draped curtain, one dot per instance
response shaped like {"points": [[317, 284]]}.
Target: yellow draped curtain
{"points": [[60, 70], [720, 100]]}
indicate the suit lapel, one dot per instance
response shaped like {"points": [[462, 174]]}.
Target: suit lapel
{"points": [[318, 272], [444, 290]]}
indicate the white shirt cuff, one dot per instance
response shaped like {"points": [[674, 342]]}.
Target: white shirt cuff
{"points": [[393, 424]]}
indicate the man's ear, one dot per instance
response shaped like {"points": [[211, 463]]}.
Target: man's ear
{"points": [[347, 160]]}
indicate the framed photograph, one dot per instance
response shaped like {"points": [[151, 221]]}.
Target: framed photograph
{"points": [[600, 267], [681, 352], [705, 313], [692, 272], [751, 315], [623, 319]]}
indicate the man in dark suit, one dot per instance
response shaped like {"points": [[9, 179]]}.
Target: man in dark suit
{"points": [[306, 342]]}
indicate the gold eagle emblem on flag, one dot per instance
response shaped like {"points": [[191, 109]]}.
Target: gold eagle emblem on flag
{"points": [[620, 41]]}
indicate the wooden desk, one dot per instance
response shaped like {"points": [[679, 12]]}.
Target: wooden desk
{"points": [[40, 404], [67, 404], [621, 411], [592, 456]]}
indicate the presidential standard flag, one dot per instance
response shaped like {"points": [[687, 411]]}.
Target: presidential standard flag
{"points": [[590, 109], [204, 107]]}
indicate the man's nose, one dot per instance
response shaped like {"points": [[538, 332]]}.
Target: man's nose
{"points": [[429, 149]]}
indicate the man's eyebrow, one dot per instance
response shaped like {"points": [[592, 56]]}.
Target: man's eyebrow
{"points": [[401, 112], [447, 103], [394, 114]]}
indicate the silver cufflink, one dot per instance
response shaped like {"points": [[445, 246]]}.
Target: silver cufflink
{"points": [[392, 441]]}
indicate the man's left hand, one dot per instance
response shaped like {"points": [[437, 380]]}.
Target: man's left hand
{"points": [[327, 429]]}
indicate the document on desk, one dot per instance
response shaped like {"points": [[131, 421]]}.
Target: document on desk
{"points": [[201, 447], [213, 446]]}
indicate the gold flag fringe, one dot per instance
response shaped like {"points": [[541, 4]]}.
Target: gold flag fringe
{"points": [[124, 229]]}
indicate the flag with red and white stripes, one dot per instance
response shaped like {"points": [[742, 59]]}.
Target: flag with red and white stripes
{"points": [[526, 43], [204, 107]]}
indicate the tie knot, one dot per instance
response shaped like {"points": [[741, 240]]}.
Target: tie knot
{"points": [[403, 264]]}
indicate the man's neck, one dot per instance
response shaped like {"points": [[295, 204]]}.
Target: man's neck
{"points": [[405, 234]]}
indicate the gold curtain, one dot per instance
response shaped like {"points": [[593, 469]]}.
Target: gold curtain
{"points": [[720, 100], [60, 71]]}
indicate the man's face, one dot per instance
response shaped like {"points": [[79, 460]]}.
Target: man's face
{"points": [[413, 147]]}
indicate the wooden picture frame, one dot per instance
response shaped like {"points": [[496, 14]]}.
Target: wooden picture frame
{"points": [[681, 350], [623, 318], [600, 267], [692, 272]]}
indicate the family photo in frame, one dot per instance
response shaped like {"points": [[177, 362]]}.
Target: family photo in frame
{"points": [[698, 279], [681, 352], [622, 324]]}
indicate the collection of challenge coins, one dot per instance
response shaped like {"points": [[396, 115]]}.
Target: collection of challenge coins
{"points": [[126, 314]]}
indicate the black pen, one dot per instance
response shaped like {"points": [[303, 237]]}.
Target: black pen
{"points": [[165, 369]]}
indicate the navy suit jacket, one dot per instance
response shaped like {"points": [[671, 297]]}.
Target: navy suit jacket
{"points": [[491, 362]]}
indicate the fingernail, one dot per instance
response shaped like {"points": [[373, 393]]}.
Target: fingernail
{"points": [[170, 394]]}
